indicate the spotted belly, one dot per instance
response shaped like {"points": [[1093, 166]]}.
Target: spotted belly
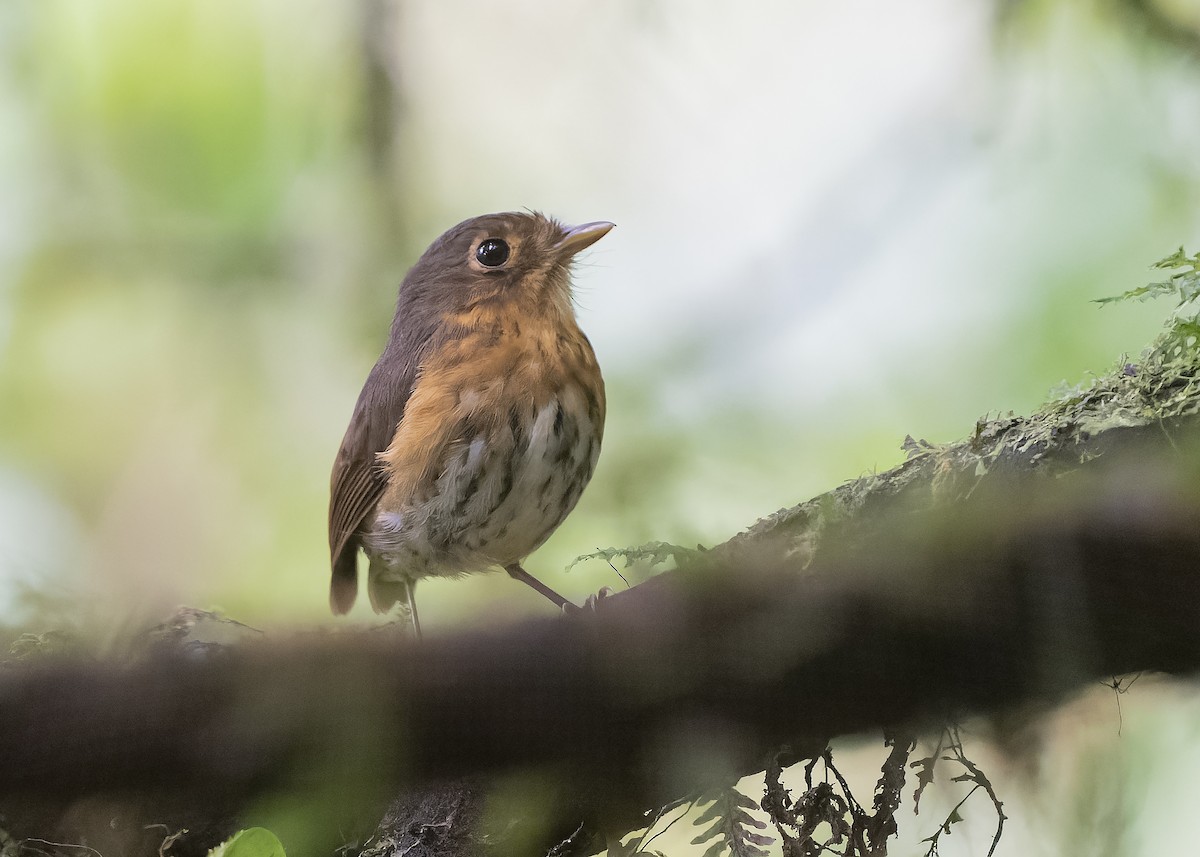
{"points": [[505, 484]]}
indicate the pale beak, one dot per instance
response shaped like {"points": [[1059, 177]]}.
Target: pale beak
{"points": [[581, 237]]}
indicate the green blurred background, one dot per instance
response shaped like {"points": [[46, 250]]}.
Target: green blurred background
{"points": [[838, 223]]}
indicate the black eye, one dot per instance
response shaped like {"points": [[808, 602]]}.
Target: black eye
{"points": [[492, 253]]}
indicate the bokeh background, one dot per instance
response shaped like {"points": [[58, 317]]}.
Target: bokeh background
{"points": [[838, 224]]}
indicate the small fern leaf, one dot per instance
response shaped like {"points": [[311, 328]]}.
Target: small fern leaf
{"points": [[732, 827], [1184, 284], [651, 553]]}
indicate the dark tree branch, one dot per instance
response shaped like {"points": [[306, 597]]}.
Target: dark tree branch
{"points": [[1007, 571], [1011, 598]]}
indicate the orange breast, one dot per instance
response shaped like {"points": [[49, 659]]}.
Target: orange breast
{"points": [[498, 439]]}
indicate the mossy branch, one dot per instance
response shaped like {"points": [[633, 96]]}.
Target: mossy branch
{"points": [[1038, 555]]}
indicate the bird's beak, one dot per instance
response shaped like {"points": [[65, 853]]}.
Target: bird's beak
{"points": [[581, 237]]}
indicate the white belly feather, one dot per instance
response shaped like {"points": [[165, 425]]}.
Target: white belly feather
{"points": [[497, 498]]}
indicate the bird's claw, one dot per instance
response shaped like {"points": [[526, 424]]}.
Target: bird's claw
{"points": [[594, 601], [591, 604]]}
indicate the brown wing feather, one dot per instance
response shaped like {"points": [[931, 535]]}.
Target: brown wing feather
{"points": [[356, 489], [358, 479]]}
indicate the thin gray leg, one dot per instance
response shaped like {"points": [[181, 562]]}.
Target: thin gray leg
{"points": [[411, 585], [517, 573]]}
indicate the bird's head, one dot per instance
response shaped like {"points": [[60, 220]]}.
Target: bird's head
{"points": [[498, 261]]}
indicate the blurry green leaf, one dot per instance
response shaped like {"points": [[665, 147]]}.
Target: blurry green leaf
{"points": [[29, 646], [9, 847], [251, 842]]}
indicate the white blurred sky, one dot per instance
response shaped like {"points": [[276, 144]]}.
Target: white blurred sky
{"points": [[820, 194], [848, 214], [754, 161]]}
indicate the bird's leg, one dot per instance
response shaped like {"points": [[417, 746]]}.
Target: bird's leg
{"points": [[517, 573], [410, 585]]}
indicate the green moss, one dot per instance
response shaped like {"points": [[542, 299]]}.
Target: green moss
{"points": [[1161, 386]]}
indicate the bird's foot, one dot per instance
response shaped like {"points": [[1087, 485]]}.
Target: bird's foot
{"points": [[590, 605]]}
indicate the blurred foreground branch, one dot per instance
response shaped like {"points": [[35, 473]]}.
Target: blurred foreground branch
{"points": [[997, 574], [1019, 594]]}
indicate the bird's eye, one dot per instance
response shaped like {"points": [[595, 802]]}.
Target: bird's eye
{"points": [[492, 253]]}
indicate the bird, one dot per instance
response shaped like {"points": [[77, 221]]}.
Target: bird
{"points": [[480, 425]]}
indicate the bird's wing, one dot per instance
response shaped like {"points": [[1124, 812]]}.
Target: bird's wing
{"points": [[358, 478]]}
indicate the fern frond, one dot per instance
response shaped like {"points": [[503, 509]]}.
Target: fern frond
{"points": [[732, 826]]}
